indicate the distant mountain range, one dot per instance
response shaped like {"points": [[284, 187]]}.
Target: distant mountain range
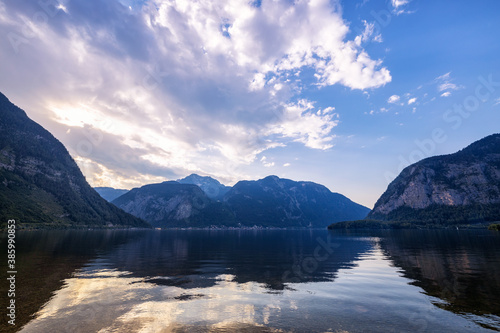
{"points": [[172, 204], [110, 193], [278, 202], [269, 202], [212, 187], [459, 188], [41, 184]]}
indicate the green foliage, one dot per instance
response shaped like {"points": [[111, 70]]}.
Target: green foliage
{"points": [[444, 214], [494, 226], [378, 224]]}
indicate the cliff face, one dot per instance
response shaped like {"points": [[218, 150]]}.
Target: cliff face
{"points": [[40, 182], [277, 202], [467, 180]]}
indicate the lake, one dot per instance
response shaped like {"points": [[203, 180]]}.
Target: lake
{"points": [[256, 281]]}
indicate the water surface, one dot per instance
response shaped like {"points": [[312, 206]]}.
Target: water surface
{"points": [[258, 281]]}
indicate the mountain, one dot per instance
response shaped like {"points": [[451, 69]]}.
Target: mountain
{"points": [[172, 204], [277, 202], [463, 187], [109, 193], [212, 187], [450, 267], [41, 184], [269, 202]]}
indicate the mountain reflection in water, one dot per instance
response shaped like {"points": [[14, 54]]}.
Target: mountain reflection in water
{"points": [[460, 268], [266, 281]]}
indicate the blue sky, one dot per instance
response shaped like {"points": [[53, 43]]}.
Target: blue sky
{"points": [[343, 93]]}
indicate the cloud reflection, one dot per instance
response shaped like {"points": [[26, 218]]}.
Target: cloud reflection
{"points": [[108, 300], [117, 292]]}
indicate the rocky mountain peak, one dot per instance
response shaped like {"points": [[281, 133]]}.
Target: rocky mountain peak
{"points": [[469, 179], [212, 187]]}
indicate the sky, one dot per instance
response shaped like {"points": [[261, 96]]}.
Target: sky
{"points": [[341, 93]]}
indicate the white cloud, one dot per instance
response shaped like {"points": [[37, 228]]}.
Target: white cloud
{"points": [[302, 123], [367, 34], [412, 100], [398, 3], [286, 164], [188, 86], [447, 86], [399, 7], [258, 82], [393, 99], [266, 163], [444, 77], [497, 102]]}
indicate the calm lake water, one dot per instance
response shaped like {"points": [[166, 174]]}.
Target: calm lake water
{"points": [[256, 281]]}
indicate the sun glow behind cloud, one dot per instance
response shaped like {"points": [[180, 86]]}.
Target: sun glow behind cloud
{"points": [[190, 85]]}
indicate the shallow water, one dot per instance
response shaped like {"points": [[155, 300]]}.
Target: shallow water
{"points": [[258, 281]]}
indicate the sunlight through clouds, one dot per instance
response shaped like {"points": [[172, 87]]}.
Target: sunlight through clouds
{"points": [[183, 80]]}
